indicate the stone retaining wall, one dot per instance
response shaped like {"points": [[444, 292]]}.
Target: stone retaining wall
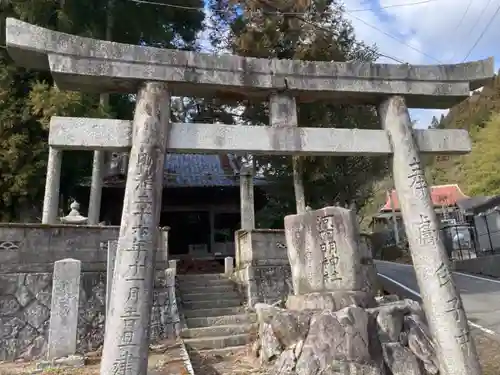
{"points": [[25, 311], [484, 265]]}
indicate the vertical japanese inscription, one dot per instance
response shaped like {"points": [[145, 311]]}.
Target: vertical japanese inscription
{"points": [[427, 235], [454, 307], [417, 178], [327, 226], [128, 331]]}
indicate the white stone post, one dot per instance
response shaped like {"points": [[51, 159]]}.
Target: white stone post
{"points": [[442, 302], [228, 266], [247, 199], [64, 308], [52, 183], [126, 342], [172, 264], [96, 187], [283, 112]]}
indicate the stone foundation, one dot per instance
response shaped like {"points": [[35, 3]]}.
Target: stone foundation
{"points": [[25, 300], [391, 338], [264, 284]]}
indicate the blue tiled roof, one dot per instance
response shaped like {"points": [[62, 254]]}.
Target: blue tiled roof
{"points": [[198, 170], [202, 170], [194, 170]]}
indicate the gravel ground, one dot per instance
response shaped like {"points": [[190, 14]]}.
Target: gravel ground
{"points": [[166, 362]]}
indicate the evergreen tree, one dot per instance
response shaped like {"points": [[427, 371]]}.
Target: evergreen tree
{"points": [[314, 30], [28, 99]]}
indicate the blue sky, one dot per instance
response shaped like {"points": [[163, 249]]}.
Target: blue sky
{"points": [[438, 31], [432, 32]]}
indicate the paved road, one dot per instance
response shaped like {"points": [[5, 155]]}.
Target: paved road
{"points": [[480, 295]]}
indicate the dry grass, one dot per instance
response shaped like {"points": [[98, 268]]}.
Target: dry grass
{"points": [[488, 350]]}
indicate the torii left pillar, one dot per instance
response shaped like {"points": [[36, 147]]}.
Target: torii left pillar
{"points": [[126, 342]]}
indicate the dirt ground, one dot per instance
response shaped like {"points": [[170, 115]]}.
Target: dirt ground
{"points": [[240, 363]]}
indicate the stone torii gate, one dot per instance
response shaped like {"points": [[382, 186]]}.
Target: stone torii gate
{"points": [[91, 65]]}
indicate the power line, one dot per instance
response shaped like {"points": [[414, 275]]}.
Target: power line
{"points": [[395, 38], [477, 21], [331, 32], [201, 9], [460, 24], [483, 32]]}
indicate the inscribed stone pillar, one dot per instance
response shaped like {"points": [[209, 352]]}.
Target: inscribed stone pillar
{"points": [[283, 112], [96, 187], [325, 258], [52, 183], [64, 308], [126, 340], [442, 302], [246, 199]]}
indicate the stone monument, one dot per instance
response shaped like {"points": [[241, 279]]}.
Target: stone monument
{"points": [[78, 63], [325, 257]]}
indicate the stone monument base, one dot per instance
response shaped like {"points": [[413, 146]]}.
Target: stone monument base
{"points": [[391, 338], [263, 283], [330, 300]]}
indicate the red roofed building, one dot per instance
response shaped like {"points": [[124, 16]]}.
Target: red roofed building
{"points": [[441, 195], [444, 198]]}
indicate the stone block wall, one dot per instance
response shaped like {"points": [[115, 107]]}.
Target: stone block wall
{"points": [[262, 270], [35, 247], [25, 311]]}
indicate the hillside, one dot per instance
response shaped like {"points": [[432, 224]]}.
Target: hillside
{"points": [[474, 172], [477, 173]]}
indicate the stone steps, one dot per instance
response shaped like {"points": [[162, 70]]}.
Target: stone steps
{"points": [[206, 304], [217, 342], [221, 320], [215, 316], [210, 295], [214, 288], [221, 352], [217, 331], [216, 311]]}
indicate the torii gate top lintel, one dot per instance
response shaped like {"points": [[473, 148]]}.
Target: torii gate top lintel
{"points": [[86, 64]]}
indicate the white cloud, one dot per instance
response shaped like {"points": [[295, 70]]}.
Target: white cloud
{"points": [[442, 30]]}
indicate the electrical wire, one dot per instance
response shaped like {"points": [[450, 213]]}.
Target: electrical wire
{"points": [[395, 38], [331, 32], [455, 31], [283, 13], [482, 33]]}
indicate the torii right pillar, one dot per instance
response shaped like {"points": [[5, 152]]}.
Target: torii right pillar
{"points": [[442, 303]]}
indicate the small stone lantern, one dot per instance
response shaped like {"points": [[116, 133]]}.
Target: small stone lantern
{"points": [[74, 216]]}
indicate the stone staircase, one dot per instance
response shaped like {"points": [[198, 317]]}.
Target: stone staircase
{"points": [[215, 316]]}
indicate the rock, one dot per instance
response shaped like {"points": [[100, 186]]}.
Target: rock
{"points": [[285, 364], [341, 335], [420, 343], [289, 327], [400, 360], [390, 339], [390, 317], [387, 299], [270, 346], [70, 361]]}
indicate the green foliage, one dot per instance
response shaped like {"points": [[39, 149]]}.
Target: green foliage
{"points": [[320, 33], [480, 169], [474, 173], [28, 99]]}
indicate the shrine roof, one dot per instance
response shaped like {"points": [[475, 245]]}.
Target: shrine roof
{"points": [[195, 170]]}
